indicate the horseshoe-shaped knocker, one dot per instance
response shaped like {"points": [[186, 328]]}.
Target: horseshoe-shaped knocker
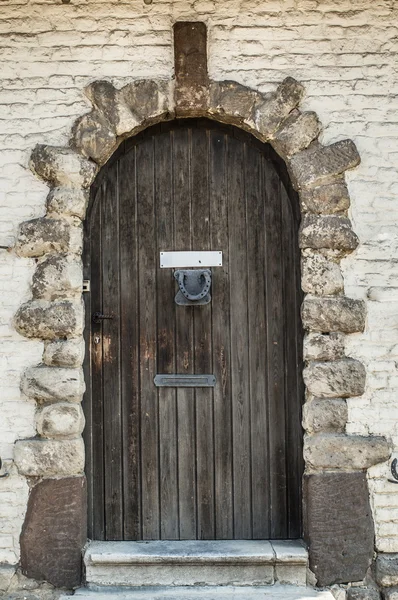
{"points": [[194, 286]]}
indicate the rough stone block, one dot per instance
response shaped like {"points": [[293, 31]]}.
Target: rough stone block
{"points": [[338, 526], [54, 532], [104, 96], [328, 231], [62, 167], [296, 133], [344, 452], [58, 276], [322, 164], [320, 276], [389, 594], [49, 320], [49, 458], [362, 593], [60, 420], [319, 346], [326, 199], [387, 569], [334, 379], [143, 101], [71, 202], [40, 236], [277, 106], [93, 137], [6, 575], [232, 102], [333, 314], [49, 384], [325, 415], [64, 353]]}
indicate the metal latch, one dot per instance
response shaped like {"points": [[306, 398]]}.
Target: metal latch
{"points": [[97, 317], [86, 285]]}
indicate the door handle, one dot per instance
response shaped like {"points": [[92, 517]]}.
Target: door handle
{"points": [[98, 317]]}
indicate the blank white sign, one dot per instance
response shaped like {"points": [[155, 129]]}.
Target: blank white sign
{"points": [[176, 260]]}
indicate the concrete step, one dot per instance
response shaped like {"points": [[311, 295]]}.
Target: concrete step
{"points": [[196, 563], [273, 592]]}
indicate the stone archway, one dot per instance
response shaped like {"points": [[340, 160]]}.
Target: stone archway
{"points": [[335, 462]]}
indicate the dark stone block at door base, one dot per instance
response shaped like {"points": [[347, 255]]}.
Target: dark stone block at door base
{"points": [[55, 531], [338, 526]]}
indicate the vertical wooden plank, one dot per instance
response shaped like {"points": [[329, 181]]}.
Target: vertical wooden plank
{"points": [[129, 312], [166, 359], [203, 340], [275, 355], [111, 358], [256, 268], [184, 343], [239, 341], [221, 339], [93, 398], [292, 367], [147, 307]]}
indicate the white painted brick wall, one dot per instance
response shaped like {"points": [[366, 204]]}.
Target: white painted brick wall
{"points": [[346, 55]]}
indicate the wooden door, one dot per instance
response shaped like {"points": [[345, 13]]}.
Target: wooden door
{"points": [[183, 463]]}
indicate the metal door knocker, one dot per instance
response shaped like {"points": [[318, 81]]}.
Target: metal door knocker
{"points": [[194, 286]]}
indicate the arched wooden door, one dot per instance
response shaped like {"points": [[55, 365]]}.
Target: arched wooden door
{"points": [[193, 463]]}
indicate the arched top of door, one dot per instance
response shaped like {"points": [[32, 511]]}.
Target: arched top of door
{"points": [[272, 118], [209, 125]]}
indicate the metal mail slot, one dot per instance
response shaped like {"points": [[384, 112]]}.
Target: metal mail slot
{"points": [[179, 260], [185, 380]]}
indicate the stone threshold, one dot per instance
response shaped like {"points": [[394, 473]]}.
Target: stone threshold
{"points": [[274, 592], [197, 552], [196, 563]]}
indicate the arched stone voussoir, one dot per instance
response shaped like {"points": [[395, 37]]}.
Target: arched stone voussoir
{"points": [[322, 164], [69, 202], [148, 100], [53, 384], [50, 320], [136, 105], [40, 236], [233, 102], [93, 137], [261, 114], [62, 166], [296, 133], [327, 199], [276, 107], [103, 96]]}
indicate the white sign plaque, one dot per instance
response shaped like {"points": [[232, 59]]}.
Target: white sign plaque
{"points": [[178, 260]]}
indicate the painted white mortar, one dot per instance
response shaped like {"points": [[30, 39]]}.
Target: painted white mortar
{"points": [[345, 54]]}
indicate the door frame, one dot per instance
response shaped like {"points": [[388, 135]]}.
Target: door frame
{"points": [[316, 173]]}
